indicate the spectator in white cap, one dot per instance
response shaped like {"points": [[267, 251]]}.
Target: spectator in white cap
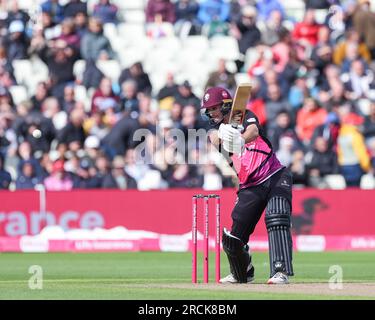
{"points": [[92, 145], [17, 41]]}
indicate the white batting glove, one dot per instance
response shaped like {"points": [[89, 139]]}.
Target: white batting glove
{"points": [[220, 131], [235, 146], [227, 132], [232, 139]]}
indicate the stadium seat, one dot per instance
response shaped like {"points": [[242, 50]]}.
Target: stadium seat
{"points": [[22, 71], [26, 5], [364, 106], [79, 69], [294, 9], [12, 170], [335, 181], [90, 6], [211, 61], [169, 44], [130, 4], [131, 33], [19, 94], [224, 47], [110, 68], [198, 43], [194, 49], [198, 91], [80, 93], [158, 80], [197, 74], [164, 55], [190, 55], [29, 72], [39, 73], [320, 15], [161, 57], [110, 31], [144, 43], [231, 66], [39, 67], [242, 77], [152, 180], [251, 56], [134, 16], [129, 56]]}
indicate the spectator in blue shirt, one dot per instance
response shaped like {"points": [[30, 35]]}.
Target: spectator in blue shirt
{"points": [[74, 7], [54, 9], [106, 12], [265, 7], [213, 10], [28, 178]]}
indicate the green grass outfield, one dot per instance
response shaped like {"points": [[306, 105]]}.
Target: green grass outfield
{"points": [[155, 275]]}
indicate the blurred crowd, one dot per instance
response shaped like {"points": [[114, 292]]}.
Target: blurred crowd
{"points": [[313, 91]]}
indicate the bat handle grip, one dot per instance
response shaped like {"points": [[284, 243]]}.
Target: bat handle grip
{"points": [[237, 126]]}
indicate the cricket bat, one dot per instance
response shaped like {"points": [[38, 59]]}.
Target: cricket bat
{"points": [[240, 100]]}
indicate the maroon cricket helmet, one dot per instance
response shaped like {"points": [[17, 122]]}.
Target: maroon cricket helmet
{"points": [[215, 96]]}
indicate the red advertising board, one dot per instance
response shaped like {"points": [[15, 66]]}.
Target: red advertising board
{"points": [[315, 212]]}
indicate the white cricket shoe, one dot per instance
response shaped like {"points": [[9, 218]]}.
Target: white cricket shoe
{"points": [[231, 279], [278, 278]]}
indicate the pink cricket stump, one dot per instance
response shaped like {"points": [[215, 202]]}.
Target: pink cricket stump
{"points": [[205, 266], [194, 242], [217, 242]]}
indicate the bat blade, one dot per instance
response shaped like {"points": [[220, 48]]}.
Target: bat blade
{"points": [[240, 100]]}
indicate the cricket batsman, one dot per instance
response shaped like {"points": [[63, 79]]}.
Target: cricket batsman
{"points": [[264, 184]]}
